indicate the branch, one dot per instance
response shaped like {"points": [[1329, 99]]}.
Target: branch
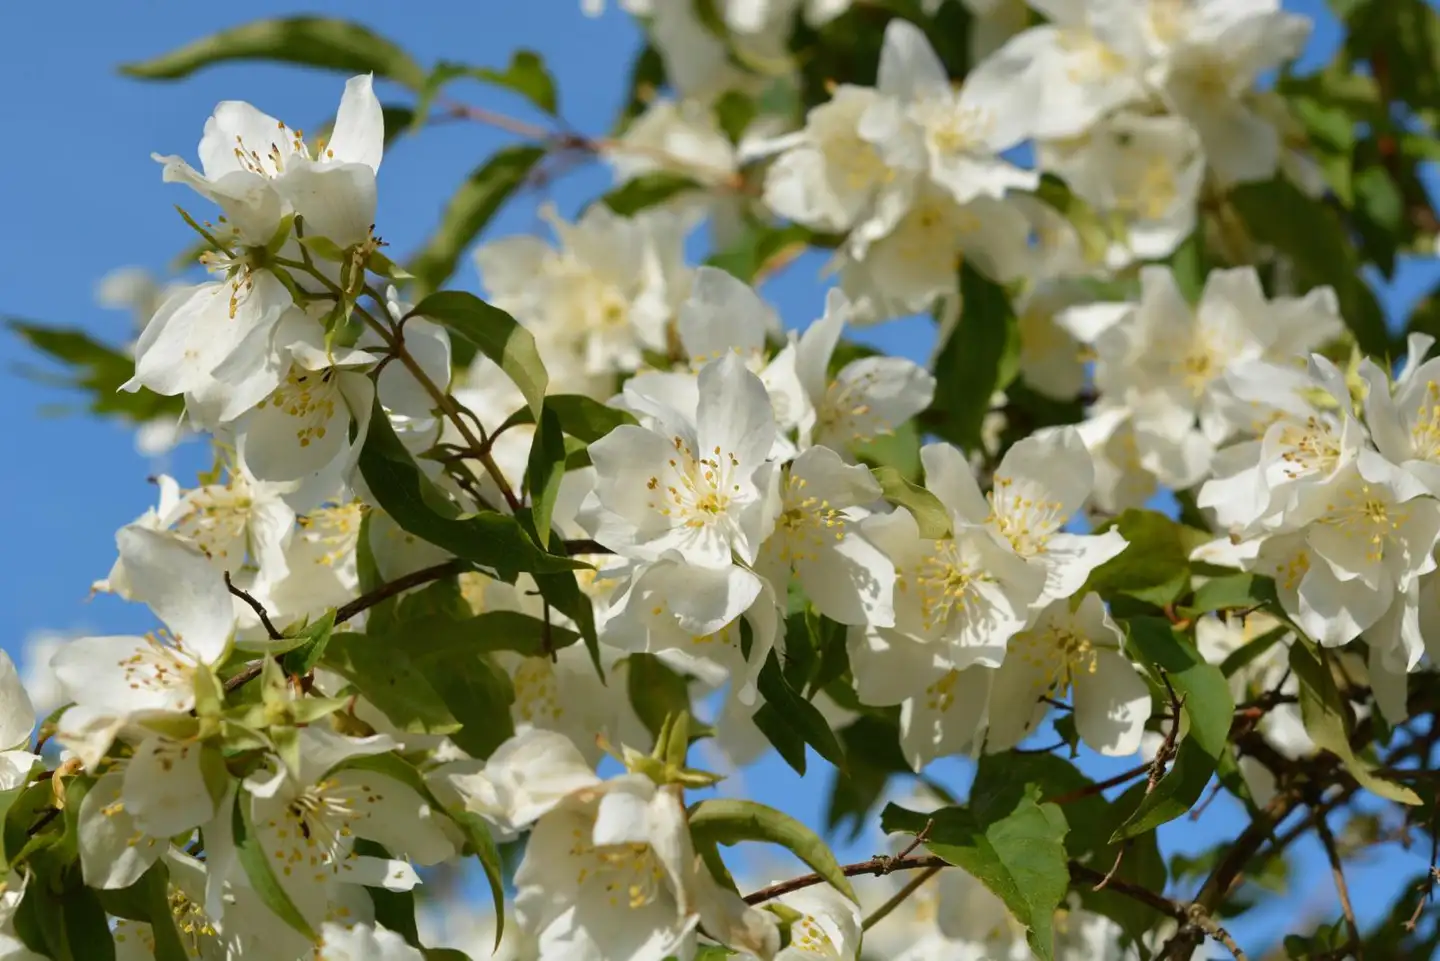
{"points": [[1092, 789], [250, 672], [1327, 838], [877, 866], [255, 606], [391, 588], [1080, 874]]}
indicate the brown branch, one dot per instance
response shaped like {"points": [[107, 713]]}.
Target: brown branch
{"points": [[877, 866], [255, 606], [1090, 790], [1337, 870], [391, 588], [1167, 747], [1080, 874], [248, 674]]}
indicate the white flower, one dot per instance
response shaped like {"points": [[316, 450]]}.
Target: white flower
{"points": [[121, 677], [846, 577], [363, 943], [682, 138], [1050, 358], [1213, 55], [603, 297], [1404, 418], [1069, 651], [306, 822], [920, 123], [522, 781], [689, 616], [867, 398], [828, 928], [320, 565], [1040, 484], [828, 177], [700, 487], [609, 874], [1142, 174]]}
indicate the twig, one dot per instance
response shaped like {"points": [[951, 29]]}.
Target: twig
{"points": [[1429, 885], [1114, 868], [1093, 789], [1327, 838], [1201, 918], [913, 885], [919, 839], [1167, 747], [877, 866], [248, 674], [1080, 874], [255, 606], [391, 588]]}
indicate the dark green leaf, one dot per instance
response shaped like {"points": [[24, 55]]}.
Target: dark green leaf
{"points": [[1018, 852], [656, 691], [872, 757], [258, 871], [930, 515], [381, 669], [646, 191], [981, 356], [730, 821], [581, 417], [544, 472], [307, 41], [493, 333], [441, 638], [301, 660], [527, 76], [1327, 721], [467, 214], [1207, 705], [1234, 592], [479, 696], [412, 500], [790, 721]]}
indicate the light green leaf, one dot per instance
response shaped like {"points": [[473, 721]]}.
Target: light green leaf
{"points": [[1018, 852], [583, 418], [930, 515], [729, 821], [656, 691], [307, 41], [1155, 567], [467, 214], [155, 884], [301, 660], [493, 333], [382, 670], [527, 76], [1234, 592], [412, 500], [1207, 706], [544, 472], [258, 871], [981, 356], [1327, 721]]}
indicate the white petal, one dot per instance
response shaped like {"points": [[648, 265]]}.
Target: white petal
{"points": [[359, 134], [948, 476], [909, 68], [17, 714], [336, 202], [181, 587], [164, 788], [1111, 705], [363, 942], [113, 851]]}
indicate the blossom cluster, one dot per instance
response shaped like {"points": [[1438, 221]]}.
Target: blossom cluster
{"points": [[404, 617]]}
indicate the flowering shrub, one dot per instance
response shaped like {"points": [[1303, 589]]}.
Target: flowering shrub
{"points": [[471, 577]]}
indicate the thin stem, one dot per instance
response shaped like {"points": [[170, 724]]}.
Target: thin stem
{"points": [[899, 898], [877, 866], [391, 588], [1090, 790], [1337, 870], [255, 606]]}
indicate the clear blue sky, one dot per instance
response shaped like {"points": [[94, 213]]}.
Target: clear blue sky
{"points": [[81, 196]]}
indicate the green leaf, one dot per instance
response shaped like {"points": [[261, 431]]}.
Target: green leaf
{"points": [[65, 923], [1327, 721], [1277, 213], [300, 661], [656, 691], [493, 333], [306, 41], [583, 418], [412, 500], [436, 637], [467, 214], [98, 370], [155, 884], [729, 821], [381, 669], [479, 696], [562, 592], [930, 515], [872, 757], [258, 871], [1234, 592], [1154, 568], [527, 76], [1207, 706], [647, 190], [1017, 851], [981, 356], [790, 722], [544, 472]]}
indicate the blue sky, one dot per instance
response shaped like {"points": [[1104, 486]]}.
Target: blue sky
{"points": [[81, 196]]}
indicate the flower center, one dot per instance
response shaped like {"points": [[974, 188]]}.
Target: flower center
{"points": [[1308, 448], [316, 830], [1366, 516], [695, 492], [1425, 431], [1026, 521], [805, 523], [309, 397], [630, 873], [947, 584], [162, 665]]}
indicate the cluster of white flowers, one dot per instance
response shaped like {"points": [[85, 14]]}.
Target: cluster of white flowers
{"points": [[736, 491]]}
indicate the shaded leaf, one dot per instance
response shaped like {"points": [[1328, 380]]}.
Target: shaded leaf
{"points": [[390, 680], [981, 356], [1155, 567], [930, 515], [98, 370], [493, 333], [729, 821], [258, 871], [583, 418], [647, 190], [307, 41]]}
